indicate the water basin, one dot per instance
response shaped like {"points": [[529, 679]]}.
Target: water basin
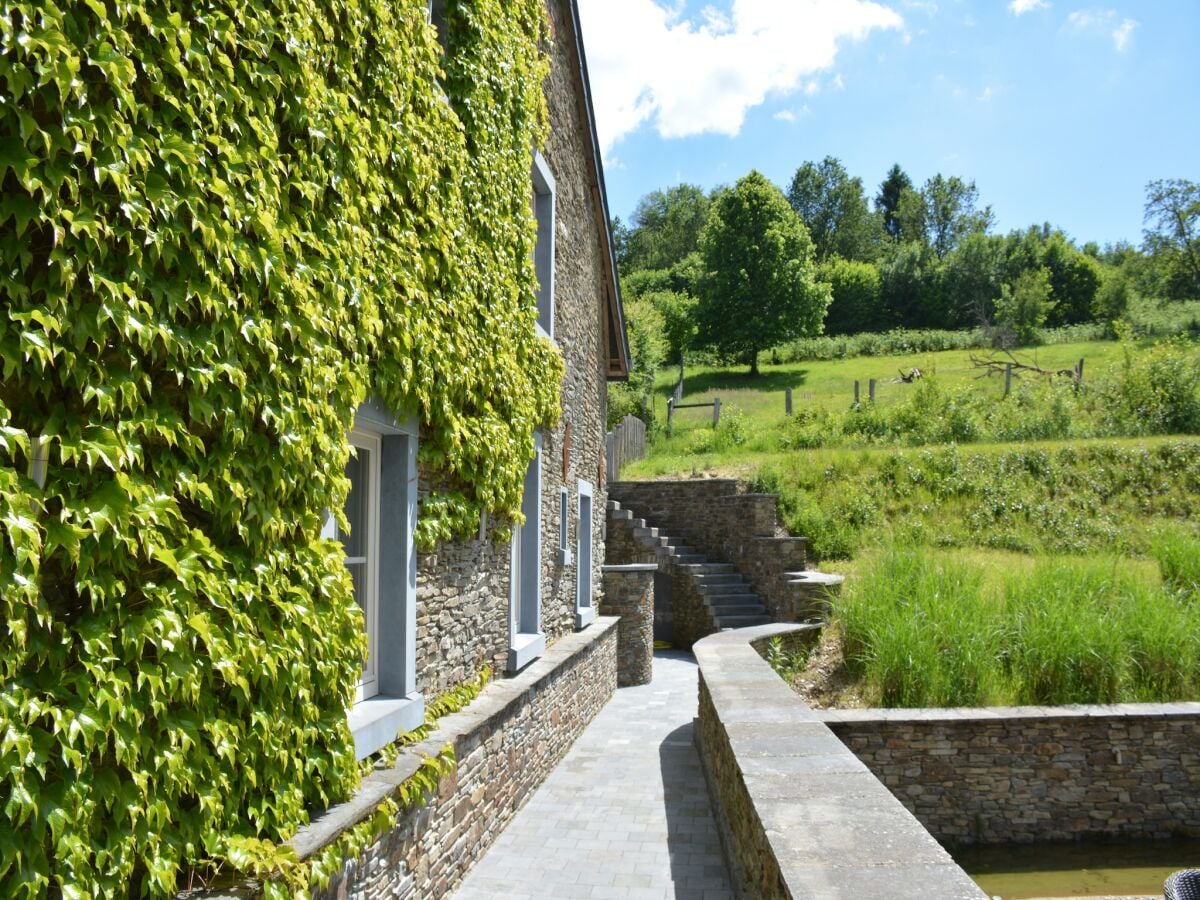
{"points": [[1086, 869]]}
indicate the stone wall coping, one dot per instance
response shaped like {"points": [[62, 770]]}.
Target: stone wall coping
{"points": [[631, 567], [493, 703], [1023, 713], [658, 481], [832, 827]]}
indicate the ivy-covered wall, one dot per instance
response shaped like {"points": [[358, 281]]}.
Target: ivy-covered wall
{"points": [[222, 227]]}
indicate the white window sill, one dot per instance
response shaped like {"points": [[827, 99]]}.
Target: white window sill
{"points": [[584, 617], [525, 649], [376, 721]]}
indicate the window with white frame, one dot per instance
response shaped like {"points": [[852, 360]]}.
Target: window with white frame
{"points": [[543, 253], [526, 640], [436, 13], [585, 611], [564, 527], [380, 553], [361, 545]]}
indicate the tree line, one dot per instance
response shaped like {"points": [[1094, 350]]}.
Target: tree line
{"points": [[747, 267]]}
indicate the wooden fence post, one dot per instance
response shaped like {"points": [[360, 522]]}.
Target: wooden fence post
{"points": [[856, 393], [716, 411], [871, 390], [1007, 379], [670, 412], [1079, 375], [787, 402]]}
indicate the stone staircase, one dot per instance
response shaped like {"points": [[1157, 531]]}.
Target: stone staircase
{"points": [[730, 600]]}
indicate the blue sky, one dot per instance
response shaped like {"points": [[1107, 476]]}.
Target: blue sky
{"points": [[1060, 111]]}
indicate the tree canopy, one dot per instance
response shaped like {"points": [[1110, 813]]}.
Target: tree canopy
{"points": [[759, 286], [834, 209], [1172, 237]]}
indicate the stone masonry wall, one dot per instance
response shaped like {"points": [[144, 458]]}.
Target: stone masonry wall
{"points": [[799, 815], [629, 594], [506, 743], [718, 518], [463, 587], [1033, 774], [690, 617]]}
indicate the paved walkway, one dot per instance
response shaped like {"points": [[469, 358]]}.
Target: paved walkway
{"points": [[625, 814]]}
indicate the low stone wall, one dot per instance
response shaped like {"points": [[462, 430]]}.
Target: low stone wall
{"points": [[800, 816], [506, 742], [1020, 774], [629, 594]]}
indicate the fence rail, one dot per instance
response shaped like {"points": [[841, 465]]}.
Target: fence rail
{"points": [[624, 444]]}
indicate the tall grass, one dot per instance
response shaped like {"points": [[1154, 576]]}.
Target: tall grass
{"points": [[924, 629], [1177, 553]]}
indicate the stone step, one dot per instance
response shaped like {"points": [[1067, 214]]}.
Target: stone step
{"points": [[703, 567], [746, 596], [644, 532], [720, 578], [692, 560], [727, 622], [723, 611]]}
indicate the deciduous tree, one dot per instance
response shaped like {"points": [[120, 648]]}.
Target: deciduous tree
{"points": [[759, 287]]}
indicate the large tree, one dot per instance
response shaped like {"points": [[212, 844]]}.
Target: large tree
{"points": [[1172, 233], [835, 211], [887, 201], [951, 212], [665, 227], [760, 286]]}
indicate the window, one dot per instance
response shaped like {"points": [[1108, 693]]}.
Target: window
{"points": [[543, 253], [361, 546], [584, 610], [436, 11], [381, 510], [526, 640], [564, 528]]}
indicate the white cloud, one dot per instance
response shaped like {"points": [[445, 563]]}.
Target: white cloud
{"points": [[785, 115], [987, 94], [1122, 33], [1104, 21], [685, 77], [1020, 7]]}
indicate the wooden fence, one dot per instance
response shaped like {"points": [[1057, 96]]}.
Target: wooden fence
{"points": [[625, 443]]}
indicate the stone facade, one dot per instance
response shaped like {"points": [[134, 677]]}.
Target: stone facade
{"points": [[629, 594], [1035, 774], [463, 588], [506, 743], [799, 815]]}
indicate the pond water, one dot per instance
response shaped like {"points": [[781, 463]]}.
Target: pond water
{"points": [[1090, 869]]}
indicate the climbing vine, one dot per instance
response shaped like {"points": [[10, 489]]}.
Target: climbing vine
{"points": [[222, 228]]}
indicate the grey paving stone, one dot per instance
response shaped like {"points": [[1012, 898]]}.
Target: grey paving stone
{"points": [[625, 815]]}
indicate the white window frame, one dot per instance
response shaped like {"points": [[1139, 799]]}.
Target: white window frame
{"points": [[396, 705], [543, 251], [526, 640], [585, 608], [435, 15], [565, 557], [372, 442]]}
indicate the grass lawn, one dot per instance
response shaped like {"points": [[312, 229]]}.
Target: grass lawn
{"points": [[996, 568]]}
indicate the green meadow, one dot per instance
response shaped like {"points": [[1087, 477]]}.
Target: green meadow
{"points": [[1039, 547]]}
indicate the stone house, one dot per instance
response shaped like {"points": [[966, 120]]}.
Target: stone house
{"points": [[437, 618]]}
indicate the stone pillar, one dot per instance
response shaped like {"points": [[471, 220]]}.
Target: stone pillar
{"points": [[629, 593]]}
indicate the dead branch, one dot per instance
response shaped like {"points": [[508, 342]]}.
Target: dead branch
{"points": [[993, 366]]}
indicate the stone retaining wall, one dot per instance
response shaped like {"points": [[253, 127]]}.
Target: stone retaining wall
{"points": [[506, 742], [629, 594], [799, 815], [1020, 774], [720, 519]]}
